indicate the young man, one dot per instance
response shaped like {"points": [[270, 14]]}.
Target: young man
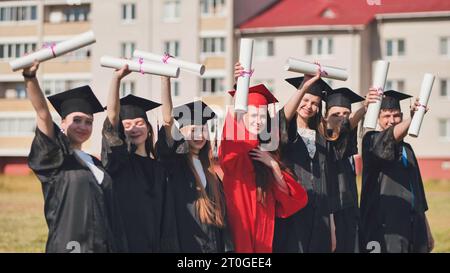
{"points": [[393, 202]]}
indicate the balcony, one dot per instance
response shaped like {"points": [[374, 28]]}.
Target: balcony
{"points": [[66, 28]]}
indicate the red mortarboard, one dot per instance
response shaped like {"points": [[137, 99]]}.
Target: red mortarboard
{"points": [[258, 95]]}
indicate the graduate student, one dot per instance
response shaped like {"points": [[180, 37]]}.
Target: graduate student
{"points": [[393, 202], [199, 202], [303, 149], [342, 126], [258, 187], [140, 181], [78, 192]]}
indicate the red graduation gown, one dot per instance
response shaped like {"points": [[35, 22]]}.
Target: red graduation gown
{"points": [[252, 223]]}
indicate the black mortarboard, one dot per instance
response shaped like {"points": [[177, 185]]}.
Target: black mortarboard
{"points": [[132, 107], [391, 99], [320, 88], [342, 97], [80, 99], [194, 113]]}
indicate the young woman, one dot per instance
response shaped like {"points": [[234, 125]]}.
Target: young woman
{"points": [[342, 127], [303, 146], [139, 179], [257, 186], [199, 202], [78, 194]]}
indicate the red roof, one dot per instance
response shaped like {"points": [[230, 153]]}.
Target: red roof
{"points": [[346, 12]]}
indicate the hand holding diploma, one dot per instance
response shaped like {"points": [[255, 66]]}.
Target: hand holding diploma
{"points": [[379, 81], [243, 81], [421, 105], [304, 67]]}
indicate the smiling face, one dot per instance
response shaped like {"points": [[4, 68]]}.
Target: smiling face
{"points": [[78, 127], [136, 130], [195, 135], [255, 120], [389, 117], [309, 106]]}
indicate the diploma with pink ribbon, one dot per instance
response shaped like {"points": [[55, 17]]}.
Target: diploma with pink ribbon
{"points": [[425, 93], [243, 82], [141, 66], [379, 80], [195, 68], [50, 51], [304, 67]]}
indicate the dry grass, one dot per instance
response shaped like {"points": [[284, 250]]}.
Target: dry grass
{"points": [[23, 227]]}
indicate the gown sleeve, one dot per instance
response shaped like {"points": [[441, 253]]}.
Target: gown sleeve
{"points": [[291, 202], [114, 147], [47, 154]]}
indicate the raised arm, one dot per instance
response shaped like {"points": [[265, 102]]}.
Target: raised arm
{"points": [[401, 129], [43, 117], [356, 116], [167, 106], [113, 107], [290, 108]]}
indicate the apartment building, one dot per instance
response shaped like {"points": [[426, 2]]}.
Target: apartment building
{"points": [[412, 36]]}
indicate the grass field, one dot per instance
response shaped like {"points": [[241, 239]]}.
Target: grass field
{"points": [[23, 227]]}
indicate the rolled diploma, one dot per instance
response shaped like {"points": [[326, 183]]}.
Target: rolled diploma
{"points": [[379, 80], [425, 92], [148, 68], [243, 82], [61, 48], [300, 66], [188, 66]]}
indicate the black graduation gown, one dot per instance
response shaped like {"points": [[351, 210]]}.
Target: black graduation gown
{"points": [[141, 191], [343, 190], [393, 202], [193, 236], [307, 231], [81, 214]]}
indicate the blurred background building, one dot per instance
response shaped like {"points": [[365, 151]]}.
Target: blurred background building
{"points": [[413, 35]]}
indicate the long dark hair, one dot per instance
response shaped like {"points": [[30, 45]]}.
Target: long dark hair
{"points": [[211, 211], [149, 141]]}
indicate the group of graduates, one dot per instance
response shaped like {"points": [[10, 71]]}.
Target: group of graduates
{"points": [[165, 195]]}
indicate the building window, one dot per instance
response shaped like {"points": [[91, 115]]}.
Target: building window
{"points": [[175, 88], [127, 49], [320, 46], [213, 45], [398, 85], [18, 14], [213, 7], [444, 128], [171, 10], [12, 51], [445, 88], [17, 126], [172, 47], [395, 47], [445, 46], [127, 87], [264, 48], [128, 12], [55, 86], [212, 85], [76, 14]]}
